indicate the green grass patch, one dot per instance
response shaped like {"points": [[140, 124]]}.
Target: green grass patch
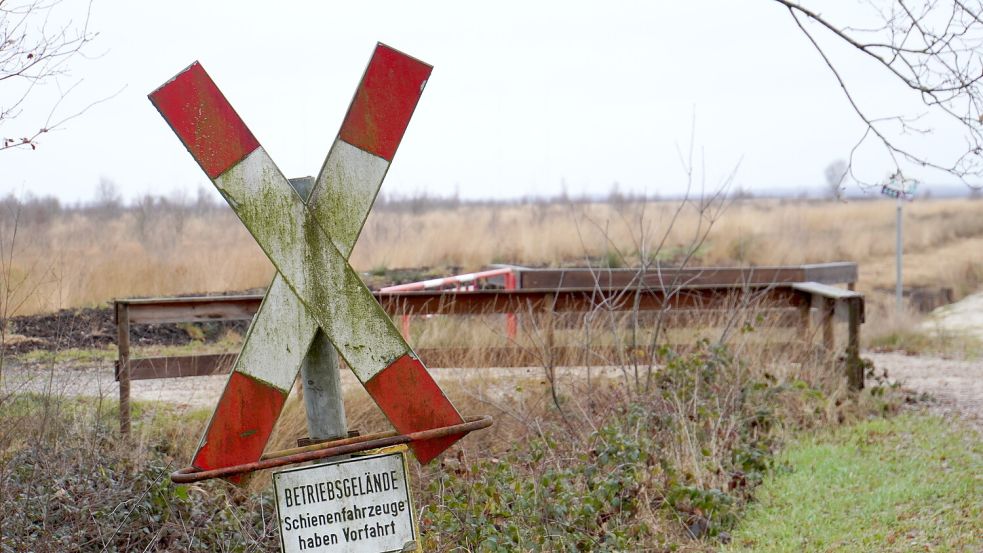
{"points": [[911, 483]]}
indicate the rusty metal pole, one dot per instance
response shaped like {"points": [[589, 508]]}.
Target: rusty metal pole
{"points": [[511, 324]]}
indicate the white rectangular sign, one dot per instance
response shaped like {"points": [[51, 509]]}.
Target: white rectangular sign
{"points": [[360, 504]]}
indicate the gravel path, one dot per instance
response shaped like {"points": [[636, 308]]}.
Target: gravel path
{"points": [[955, 386], [202, 392], [98, 381]]}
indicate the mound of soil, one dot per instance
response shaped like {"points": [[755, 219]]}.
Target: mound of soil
{"points": [[96, 328], [68, 328]]}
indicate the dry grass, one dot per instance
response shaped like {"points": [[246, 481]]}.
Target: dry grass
{"points": [[82, 260], [703, 426], [87, 257], [705, 421]]}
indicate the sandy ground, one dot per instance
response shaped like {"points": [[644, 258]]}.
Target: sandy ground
{"points": [[957, 386], [965, 316]]}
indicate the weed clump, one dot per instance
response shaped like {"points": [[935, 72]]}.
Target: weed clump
{"points": [[641, 470], [547, 497], [68, 483]]}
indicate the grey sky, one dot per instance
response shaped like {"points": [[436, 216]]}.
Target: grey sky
{"points": [[524, 95]]}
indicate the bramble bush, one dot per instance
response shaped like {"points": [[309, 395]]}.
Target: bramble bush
{"points": [[546, 497], [619, 469], [675, 463], [71, 485]]}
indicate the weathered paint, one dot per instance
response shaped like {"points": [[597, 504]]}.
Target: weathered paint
{"points": [[272, 352], [342, 196], [410, 398], [432, 283], [320, 276], [251, 418], [204, 120], [282, 330], [278, 339], [384, 102], [311, 264], [345, 191]]}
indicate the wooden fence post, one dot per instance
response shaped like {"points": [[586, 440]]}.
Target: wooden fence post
{"points": [[854, 366], [551, 330], [828, 313], [805, 321], [123, 365]]}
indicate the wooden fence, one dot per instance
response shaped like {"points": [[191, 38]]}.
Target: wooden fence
{"points": [[802, 294]]}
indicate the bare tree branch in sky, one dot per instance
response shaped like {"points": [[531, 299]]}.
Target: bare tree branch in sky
{"points": [[37, 42], [933, 48]]}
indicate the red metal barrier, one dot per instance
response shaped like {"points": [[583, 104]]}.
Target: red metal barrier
{"points": [[467, 282]]}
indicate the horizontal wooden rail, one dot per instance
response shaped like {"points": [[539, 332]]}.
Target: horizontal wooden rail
{"points": [[182, 366], [825, 273], [179, 366], [477, 302], [191, 309]]}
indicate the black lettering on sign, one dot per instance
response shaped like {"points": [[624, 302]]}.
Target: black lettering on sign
{"points": [[317, 540], [377, 530]]}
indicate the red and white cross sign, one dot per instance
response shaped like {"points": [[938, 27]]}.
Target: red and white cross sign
{"points": [[309, 244]]}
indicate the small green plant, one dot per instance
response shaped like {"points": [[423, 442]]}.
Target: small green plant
{"points": [[613, 259]]}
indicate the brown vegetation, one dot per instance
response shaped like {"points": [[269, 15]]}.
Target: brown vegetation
{"points": [[649, 449], [84, 257], [636, 456]]}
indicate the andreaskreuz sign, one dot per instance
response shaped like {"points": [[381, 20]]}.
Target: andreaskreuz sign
{"points": [[361, 504]]}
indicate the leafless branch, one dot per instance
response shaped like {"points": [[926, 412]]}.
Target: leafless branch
{"points": [[35, 48], [933, 48]]}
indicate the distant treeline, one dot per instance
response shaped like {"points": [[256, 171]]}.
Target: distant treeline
{"points": [[108, 202], [31, 209]]}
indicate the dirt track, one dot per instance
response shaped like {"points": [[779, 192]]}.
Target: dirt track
{"points": [[98, 381], [955, 387], [203, 392]]}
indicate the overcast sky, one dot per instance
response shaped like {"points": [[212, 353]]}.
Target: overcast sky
{"points": [[524, 97]]}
